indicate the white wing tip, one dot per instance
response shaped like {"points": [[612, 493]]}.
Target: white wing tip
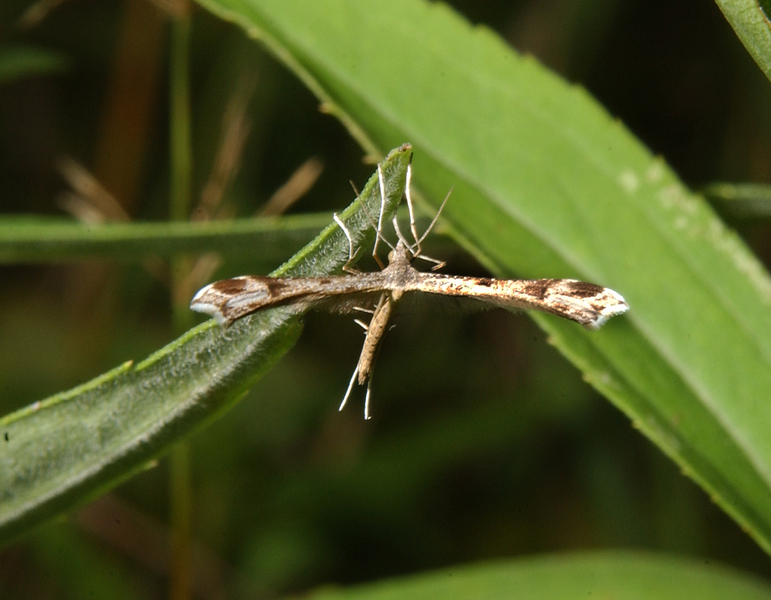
{"points": [[198, 304], [613, 305]]}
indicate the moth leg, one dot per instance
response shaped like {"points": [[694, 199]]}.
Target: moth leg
{"points": [[379, 233], [415, 249], [350, 387], [438, 264], [411, 210], [351, 254], [367, 416]]}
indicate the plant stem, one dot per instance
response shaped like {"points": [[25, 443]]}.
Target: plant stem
{"points": [[179, 198]]}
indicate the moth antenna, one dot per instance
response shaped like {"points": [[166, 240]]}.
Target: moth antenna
{"points": [[436, 217], [403, 240]]}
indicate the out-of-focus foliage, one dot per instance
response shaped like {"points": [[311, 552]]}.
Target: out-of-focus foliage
{"points": [[486, 443]]}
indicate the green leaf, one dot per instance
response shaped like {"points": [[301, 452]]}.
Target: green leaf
{"points": [[632, 576], [547, 184], [33, 239], [740, 200], [750, 20], [19, 62], [60, 452]]}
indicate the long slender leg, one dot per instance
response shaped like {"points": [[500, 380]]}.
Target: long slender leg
{"points": [[377, 325], [380, 217], [365, 360], [415, 249], [367, 416], [351, 254], [350, 387], [375, 330], [411, 210]]}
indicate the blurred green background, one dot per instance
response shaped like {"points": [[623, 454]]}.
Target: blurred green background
{"points": [[484, 443]]}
